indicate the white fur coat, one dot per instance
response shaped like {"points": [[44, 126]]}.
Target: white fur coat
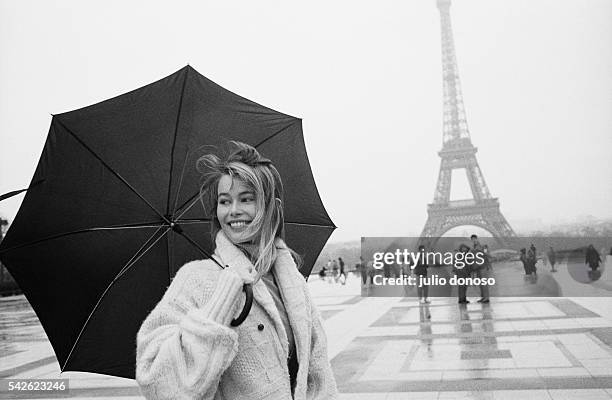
{"points": [[187, 350]]}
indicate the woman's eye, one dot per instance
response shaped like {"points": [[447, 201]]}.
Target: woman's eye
{"points": [[247, 199], [223, 202]]}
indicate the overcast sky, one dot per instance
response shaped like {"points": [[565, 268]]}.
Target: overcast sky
{"points": [[365, 77]]}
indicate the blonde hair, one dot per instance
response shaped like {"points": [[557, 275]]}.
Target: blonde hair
{"points": [[259, 174]]}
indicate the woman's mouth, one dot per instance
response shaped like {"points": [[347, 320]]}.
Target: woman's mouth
{"points": [[238, 224]]}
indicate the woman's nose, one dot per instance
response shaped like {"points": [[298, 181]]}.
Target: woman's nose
{"points": [[235, 208]]}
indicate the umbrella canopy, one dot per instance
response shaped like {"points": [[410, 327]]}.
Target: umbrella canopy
{"points": [[114, 211]]}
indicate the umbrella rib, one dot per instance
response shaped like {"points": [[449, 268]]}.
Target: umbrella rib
{"points": [[170, 254], [122, 179], [313, 225], [139, 254], [176, 125], [153, 224], [190, 200], [193, 221], [16, 192], [199, 220], [277, 133], [193, 199], [128, 265], [196, 245]]}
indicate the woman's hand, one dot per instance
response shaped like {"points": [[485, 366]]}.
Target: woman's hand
{"points": [[226, 300]]}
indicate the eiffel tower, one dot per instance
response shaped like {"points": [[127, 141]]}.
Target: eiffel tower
{"points": [[459, 152]]}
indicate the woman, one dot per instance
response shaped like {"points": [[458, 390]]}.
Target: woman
{"points": [[186, 348]]}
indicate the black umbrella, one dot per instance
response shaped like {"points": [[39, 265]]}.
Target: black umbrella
{"points": [[113, 212]]}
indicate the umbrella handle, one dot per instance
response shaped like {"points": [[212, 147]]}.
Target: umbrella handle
{"points": [[248, 290]]}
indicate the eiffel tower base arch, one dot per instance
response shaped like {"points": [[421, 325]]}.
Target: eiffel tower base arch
{"points": [[484, 214]]}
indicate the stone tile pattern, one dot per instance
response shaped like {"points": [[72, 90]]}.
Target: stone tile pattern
{"points": [[546, 348]]}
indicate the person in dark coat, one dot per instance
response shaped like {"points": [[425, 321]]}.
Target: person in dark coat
{"points": [[463, 273], [322, 272], [482, 270], [364, 270], [592, 258], [420, 271], [342, 272], [532, 260], [552, 259]]}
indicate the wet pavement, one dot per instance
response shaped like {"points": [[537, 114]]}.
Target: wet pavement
{"points": [[394, 348]]}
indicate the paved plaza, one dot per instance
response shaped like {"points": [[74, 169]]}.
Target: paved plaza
{"points": [[394, 348]]}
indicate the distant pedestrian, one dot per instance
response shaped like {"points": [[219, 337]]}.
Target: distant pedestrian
{"points": [[552, 259], [463, 273], [475, 241], [363, 270], [487, 257], [371, 271], [322, 273], [481, 269], [592, 258], [342, 271], [335, 273], [387, 270], [532, 260], [420, 272]]}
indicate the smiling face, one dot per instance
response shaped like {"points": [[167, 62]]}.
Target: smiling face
{"points": [[236, 208]]}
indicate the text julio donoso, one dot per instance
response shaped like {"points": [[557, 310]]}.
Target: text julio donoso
{"points": [[413, 259]]}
